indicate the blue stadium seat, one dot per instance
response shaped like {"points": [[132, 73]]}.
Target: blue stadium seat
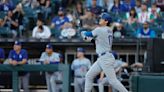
{"points": [[5, 32]]}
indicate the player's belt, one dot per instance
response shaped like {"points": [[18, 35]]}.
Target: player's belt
{"points": [[79, 76], [104, 53]]}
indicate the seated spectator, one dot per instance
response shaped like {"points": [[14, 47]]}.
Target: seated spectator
{"points": [[138, 6], [11, 21], [88, 20], [77, 12], [19, 14], [131, 16], [99, 3], [95, 9], [6, 5], [118, 7], [145, 32], [2, 55], [119, 31], [60, 22], [154, 12], [50, 57], [45, 6], [41, 31], [109, 4], [30, 3], [69, 15], [2, 22], [143, 16], [128, 4], [19, 56]]}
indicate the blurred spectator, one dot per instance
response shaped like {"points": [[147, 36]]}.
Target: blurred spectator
{"points": [[2, 55], [128, 4], [2, 22], [60, 21], [77, 12], [19, 56], [154, 12], [96, 9], [118, 7], [45, 6], [41, 31], [138, 6], [109, 4], [143, 16], [30, 3], [147, 2], [50, 57], [88, 20], [6, 5], [131, 16], [145, 32], [80, 66], [119, 31], [99, 3], [11, 21], [19, 14], [69, 14]]}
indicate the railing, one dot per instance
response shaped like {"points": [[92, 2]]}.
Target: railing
{"points": [[34, 68]]}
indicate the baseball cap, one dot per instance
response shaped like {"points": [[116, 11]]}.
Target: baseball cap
{"points": [[106, 17], [49, 46], [61, 9], [17, 43], [80, 49]]}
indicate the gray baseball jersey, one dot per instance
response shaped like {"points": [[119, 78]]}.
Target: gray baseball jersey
{"points": [[55, 57], [103, 40], [103, 37], [81, 66]]}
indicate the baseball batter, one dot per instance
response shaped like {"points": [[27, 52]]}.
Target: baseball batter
{"points": [[103, 37]]}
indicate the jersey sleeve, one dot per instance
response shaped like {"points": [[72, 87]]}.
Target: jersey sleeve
{"points": [[10, 54], [72, 65], [89, 64], [2, 54], [95, 32], [42, 58], [25, 55]]}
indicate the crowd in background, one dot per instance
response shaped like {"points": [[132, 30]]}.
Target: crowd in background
{"points": [[65, 19]]}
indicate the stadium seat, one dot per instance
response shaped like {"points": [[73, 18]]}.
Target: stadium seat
{"points": [[5, 32], [2, 14]]}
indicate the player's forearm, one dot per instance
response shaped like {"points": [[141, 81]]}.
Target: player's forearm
{"points": [[22, 62], [101, 75]]}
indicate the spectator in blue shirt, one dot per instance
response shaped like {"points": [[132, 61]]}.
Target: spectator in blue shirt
{"points": [[59, 21], [96, 9], [118, 7], [2, 55], [128, 4], [145, 32], [18, 56], [6, 5], [99, 3]]}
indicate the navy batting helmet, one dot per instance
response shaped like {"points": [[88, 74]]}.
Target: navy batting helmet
{"points": [[106, 17]]}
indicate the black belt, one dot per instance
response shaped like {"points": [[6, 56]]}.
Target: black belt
{"points": [[79, 76], [104, 53]]}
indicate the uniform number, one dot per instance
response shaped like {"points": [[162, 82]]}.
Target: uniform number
{"points": [[110, 37]]}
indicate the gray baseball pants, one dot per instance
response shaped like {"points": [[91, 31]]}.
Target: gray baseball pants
{"points": [[104, 63]]}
